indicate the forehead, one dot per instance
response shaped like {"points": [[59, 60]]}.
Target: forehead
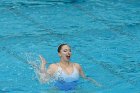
{"points": [[65, 47]]}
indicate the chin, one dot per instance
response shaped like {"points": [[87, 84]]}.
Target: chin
{"points": [[67, 60]]}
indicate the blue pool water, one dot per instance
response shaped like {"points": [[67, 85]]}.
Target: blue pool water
{"points": [[104, 36]]}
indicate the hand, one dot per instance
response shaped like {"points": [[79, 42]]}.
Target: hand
{"points": [[98, 84], [43, 61], [94, 81]]}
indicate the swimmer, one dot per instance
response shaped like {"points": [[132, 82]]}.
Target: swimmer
{"points": [[63, 71]]}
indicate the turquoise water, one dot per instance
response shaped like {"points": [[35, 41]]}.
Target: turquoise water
{"points": [[103, 34]]}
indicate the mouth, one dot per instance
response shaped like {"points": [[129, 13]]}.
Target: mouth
{"points": [[68, 57]]}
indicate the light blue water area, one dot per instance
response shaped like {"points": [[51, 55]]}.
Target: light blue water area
{"points": [[103, 34]]}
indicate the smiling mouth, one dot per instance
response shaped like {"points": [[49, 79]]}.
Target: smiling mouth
{"points": [[68, 57]]}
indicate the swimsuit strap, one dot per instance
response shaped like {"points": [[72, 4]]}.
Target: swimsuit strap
{"points": [[61, 75], [61, 70], [59, 67]]}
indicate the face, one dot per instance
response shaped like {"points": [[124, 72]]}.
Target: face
{"points": [[65, 53]]}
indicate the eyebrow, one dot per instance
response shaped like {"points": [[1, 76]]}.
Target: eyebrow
{"points": [[67, 49]]}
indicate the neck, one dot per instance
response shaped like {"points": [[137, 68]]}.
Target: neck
{"points": [[64, 62]]}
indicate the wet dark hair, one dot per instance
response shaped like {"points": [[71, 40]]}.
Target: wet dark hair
{"points": [[60, 47]]}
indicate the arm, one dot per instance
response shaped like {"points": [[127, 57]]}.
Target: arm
{"points": [[43, 64], [45, 74], [88, 78]]}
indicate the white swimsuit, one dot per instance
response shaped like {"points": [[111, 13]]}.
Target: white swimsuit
{"points": [[60, 75]]}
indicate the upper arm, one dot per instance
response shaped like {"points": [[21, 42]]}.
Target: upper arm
{"points": [[81, 72], [51, 69], [49, 72]]}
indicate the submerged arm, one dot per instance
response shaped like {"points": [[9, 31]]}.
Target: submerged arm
{"points": [[88, 78], [93, 81]]}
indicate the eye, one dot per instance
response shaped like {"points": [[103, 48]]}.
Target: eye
{"points": [[65, 50]]}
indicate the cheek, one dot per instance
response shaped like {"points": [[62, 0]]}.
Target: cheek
{"points": [[62, 54]]}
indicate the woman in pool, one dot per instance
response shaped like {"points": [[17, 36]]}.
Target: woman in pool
{"points": [[63, 72]]}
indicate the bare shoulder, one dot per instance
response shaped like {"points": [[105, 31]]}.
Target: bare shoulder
{"points": [[53, 67], [77, 65]]}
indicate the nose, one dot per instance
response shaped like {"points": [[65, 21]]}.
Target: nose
{"points": [[69, 53]]}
